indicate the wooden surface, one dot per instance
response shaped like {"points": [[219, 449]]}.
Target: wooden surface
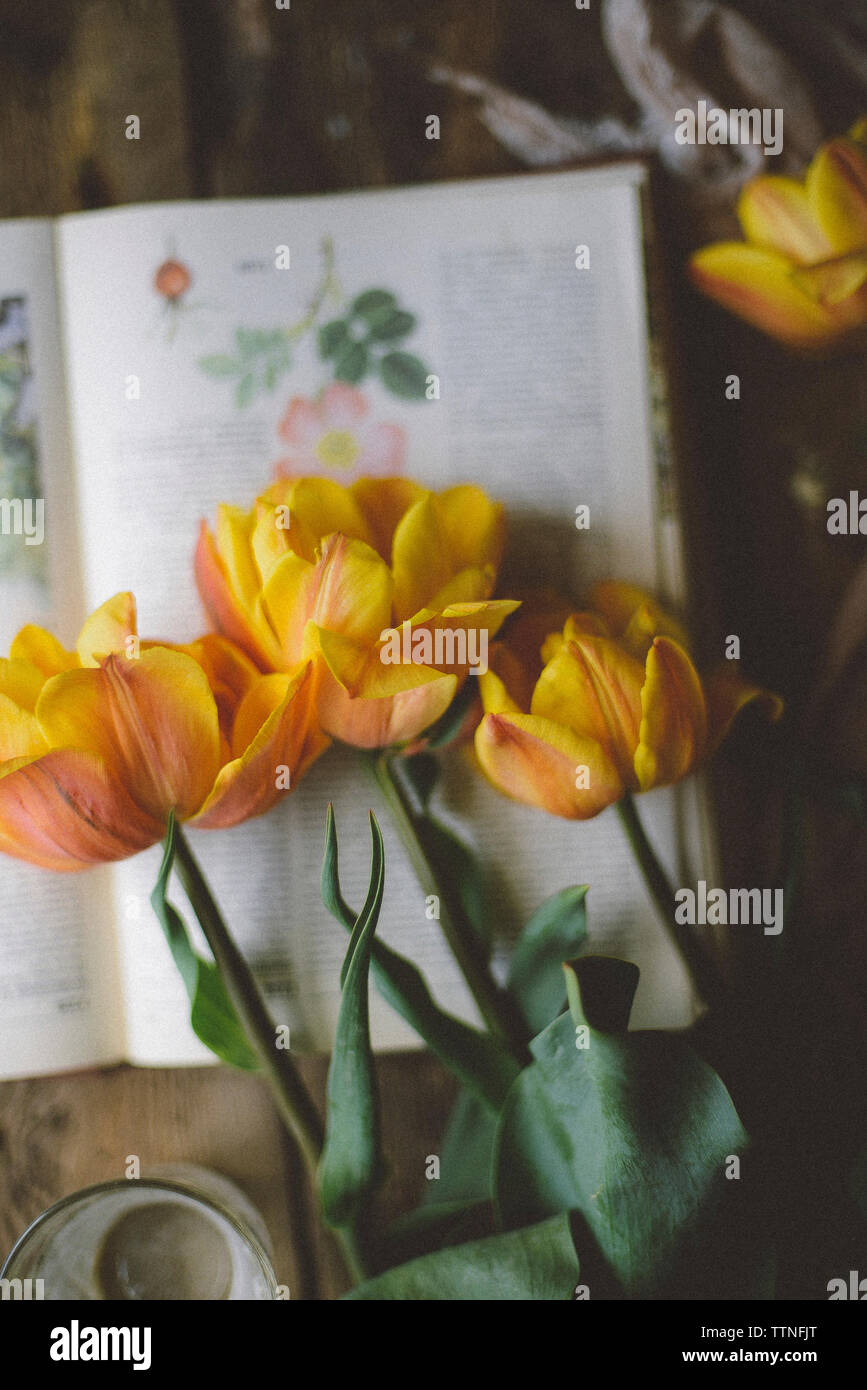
{"points": [[238, 98]]}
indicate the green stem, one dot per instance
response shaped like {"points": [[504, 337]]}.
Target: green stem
{"points": [[291, 1097], [303, 325], [494, 1004], [703, 968]]}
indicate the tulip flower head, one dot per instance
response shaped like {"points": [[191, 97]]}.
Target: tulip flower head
{"points": [[351, 579], [615, 705], [99, 745], [801, 274]]}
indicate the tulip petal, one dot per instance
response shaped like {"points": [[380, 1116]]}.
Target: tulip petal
{"points": [[833, 282], [65, 811], [475, 526], [467, 586], [107, 630], [152, 721], [727, 694], [635, 616], [362, 672], [593, 687], [42, 650], [234, 541], [276, 740], [347, 591], [270, 538], [20, 733], [383, 501], [775, 211], [507, 686], [541, 763], [318, 507], [249, 631], [673, 733], [494, 690], [230, 674], [758, 285], [837, 190], [421, 557], [452, 642], [21, 682], [381, 723]]}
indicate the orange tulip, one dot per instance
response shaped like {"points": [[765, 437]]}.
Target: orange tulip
{"points": [[801, 274], [382, 585], [614, 705], [99, 745]]}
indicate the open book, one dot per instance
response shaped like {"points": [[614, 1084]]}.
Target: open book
{"points": [[148, 357]]}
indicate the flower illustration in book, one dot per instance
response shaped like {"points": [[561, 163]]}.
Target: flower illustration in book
{"points": [[172, 281], [366, 336], [336, 436], [20, 482]]}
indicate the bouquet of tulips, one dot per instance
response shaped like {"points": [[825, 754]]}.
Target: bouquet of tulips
{"points": [[582, 1159]]}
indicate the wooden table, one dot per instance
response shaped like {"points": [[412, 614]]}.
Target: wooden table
{"points": [[236, 97]]}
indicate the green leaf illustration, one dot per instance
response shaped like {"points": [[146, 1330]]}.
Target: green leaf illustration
{"points": [[212, 1016], [404, 375], [387, 325], [219, 365], [332, 337], [245, 390], [371, 302], [351, 363]]}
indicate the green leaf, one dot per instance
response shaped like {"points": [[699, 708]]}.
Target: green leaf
{"points": [[633, 1132], [465, 1152], [332, 337], [451, 860], [537, 1263], [351, 363], [388, 325], [475, 1058], [220, 365], [555, 933], [372, 302], [433, 1227], [212, 1016], [245, 391], [351, 1162], [248, 342], [404, 375]]}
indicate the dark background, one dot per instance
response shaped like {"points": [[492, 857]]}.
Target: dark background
{"points": [[238, 98]]}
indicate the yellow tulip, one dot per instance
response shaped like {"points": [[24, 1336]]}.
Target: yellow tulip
{"points": [[801, 274], [99, 745], [345, 576], [614, 704]]}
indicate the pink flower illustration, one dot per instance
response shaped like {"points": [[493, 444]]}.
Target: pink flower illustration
{"points": [[333, 435]]}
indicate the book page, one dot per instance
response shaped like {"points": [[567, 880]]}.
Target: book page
{"points": [[190, 330], [59, 988]]}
